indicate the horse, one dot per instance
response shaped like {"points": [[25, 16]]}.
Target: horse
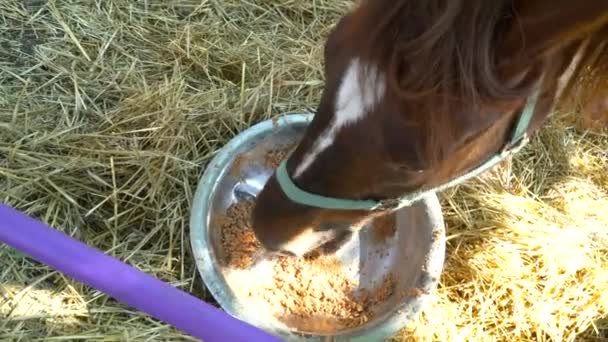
{"points": [[420, 95]]}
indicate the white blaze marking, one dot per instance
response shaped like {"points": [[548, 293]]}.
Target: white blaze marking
{"points": [[306, 241], [355, 98]]}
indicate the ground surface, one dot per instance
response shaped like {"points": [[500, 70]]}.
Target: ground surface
{"points": [[109, 111]]}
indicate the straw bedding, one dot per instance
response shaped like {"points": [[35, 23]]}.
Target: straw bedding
{"points": [[110, 109]]}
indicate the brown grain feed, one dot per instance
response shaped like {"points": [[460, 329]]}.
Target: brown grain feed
{"points": [[238, 242], [311, 293]]}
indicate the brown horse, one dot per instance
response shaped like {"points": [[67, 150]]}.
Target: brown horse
{"points": [[417, 93]]}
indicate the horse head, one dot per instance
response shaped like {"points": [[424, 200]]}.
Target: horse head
{"points": [[417, 93]]}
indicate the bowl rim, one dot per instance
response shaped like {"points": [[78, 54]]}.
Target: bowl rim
{"points": [[214, 281]]}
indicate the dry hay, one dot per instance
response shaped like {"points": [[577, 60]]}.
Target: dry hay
{"points": [[527, 248], [110, 109]]}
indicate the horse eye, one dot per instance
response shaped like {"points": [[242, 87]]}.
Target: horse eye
{"points": [[407, 168]]}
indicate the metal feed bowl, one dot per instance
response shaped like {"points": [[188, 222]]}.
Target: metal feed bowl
{"points": [[414, 254]]}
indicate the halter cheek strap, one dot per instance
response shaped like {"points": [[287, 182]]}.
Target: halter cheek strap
{"points": [[519, 138]]}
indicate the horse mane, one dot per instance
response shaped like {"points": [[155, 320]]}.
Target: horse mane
{"points": [[444, 57], [443, 49]]}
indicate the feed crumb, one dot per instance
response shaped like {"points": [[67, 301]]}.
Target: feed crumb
{"points": [[238, 163], [384, 228], [437, 234], [416, 292], [274, 157]]}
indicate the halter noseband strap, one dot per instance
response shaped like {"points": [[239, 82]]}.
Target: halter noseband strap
{"points": [[519, 138]]}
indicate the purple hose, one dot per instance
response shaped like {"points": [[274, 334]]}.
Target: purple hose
{"points": [[123, 282]]}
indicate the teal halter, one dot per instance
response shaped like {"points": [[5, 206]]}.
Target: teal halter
{"points": [[519, 138]]}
